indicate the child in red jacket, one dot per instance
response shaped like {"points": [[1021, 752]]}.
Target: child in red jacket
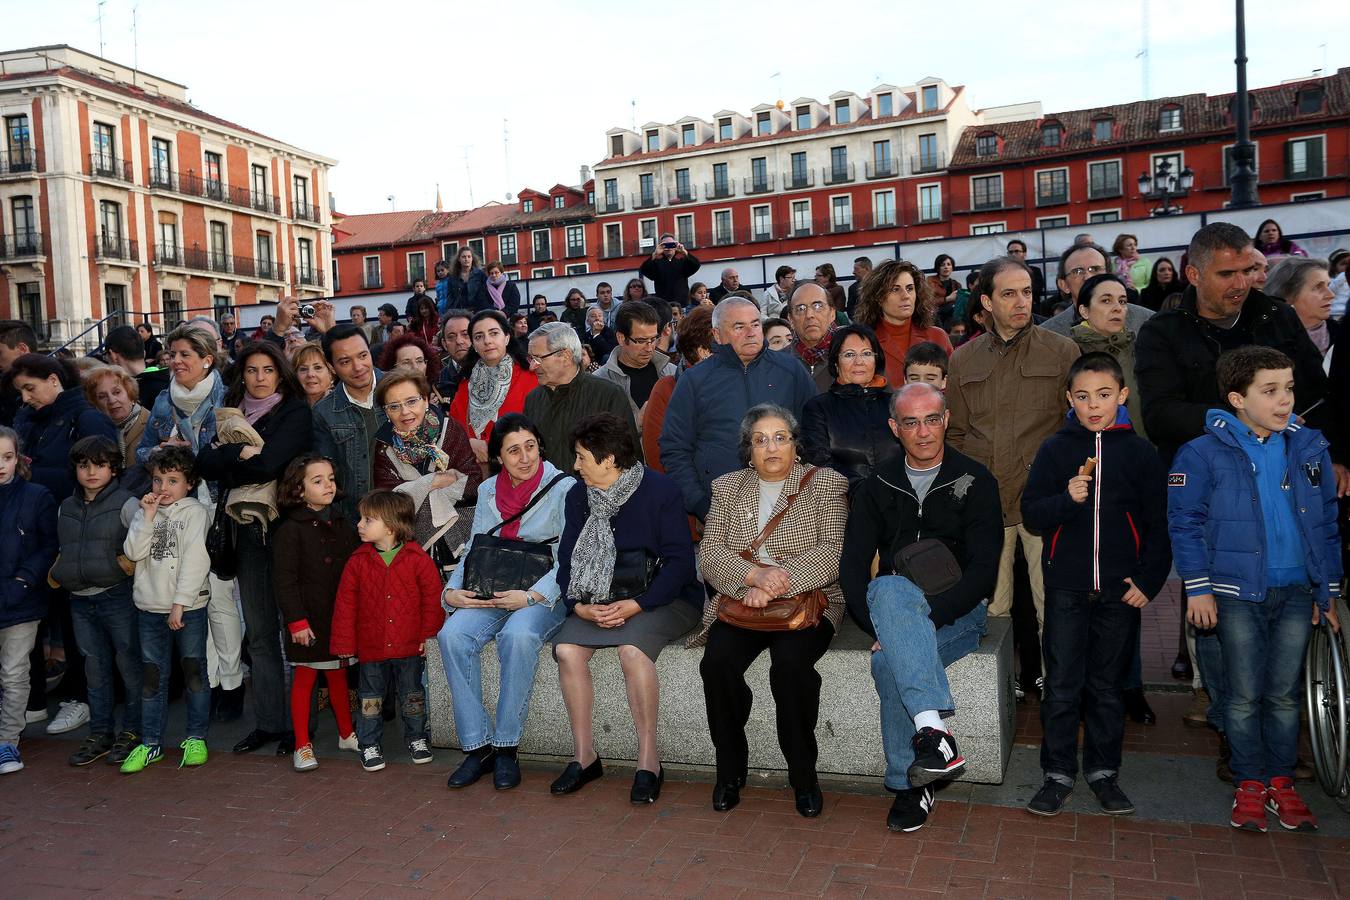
{"points": [[388, 605]]}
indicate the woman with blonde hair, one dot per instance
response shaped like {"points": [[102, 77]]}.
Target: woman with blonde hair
{"points": [[112, 390]]}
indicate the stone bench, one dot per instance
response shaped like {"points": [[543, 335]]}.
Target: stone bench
{"points": [[849, 730]]}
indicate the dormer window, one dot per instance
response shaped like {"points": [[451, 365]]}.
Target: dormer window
{"points": [[616, 145], [1169, 119], [841, 112], [559, 201], [986, 144], [1310, 100], [687, 136], [803, 118], [763, 124], [885, 105], [724, 129], [653, 140], [1102, 130], [930, 97], [1051, 134], [527, 206]]}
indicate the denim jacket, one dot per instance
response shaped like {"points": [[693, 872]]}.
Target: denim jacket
{"points": [[542, 523], [164, 417], [340, 435]]}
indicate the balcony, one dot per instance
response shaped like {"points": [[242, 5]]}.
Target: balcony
{"points": [[1105, 190], [168, 255], [309, 277], [371, 282], [190, 184], [108, 167], [304, 210], [22, 245], [1056, 197], [509, 259], [929, 213], [612, 251], [801, 179], [682, 194], [881, 168], [647, 200], [265, 203], [719, 190], [758, 184], [20, 162], [199, 260], [927, 162], [574, 251], [989, 199], [110, 248], [162, 179], [541, 254], [610, 205], [837, 174]]}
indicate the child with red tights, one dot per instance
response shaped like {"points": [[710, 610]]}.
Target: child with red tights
{"points": [[309, 550]]}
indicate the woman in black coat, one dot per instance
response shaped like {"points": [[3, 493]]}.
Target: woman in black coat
{"points": [[55, 414], [265, 390], [847, 428]]}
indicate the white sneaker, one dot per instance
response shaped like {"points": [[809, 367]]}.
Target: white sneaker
{"points": [[304, 759], [349, 743], [33, 716], [70, 716]]}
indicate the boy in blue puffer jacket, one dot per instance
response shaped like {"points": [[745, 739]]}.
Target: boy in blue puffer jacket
{"points": [[1096, 493], [1252, 514]]}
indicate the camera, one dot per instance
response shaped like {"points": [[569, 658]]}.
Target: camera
{"points": [[308, 311], [669, 245]]}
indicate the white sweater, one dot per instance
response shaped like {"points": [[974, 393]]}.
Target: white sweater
{"points": [[170, 556]]}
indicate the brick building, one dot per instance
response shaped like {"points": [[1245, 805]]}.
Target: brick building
{"points": [[120, 198]]}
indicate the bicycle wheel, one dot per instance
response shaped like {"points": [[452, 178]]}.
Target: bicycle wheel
{"points": [[1325, 685]]}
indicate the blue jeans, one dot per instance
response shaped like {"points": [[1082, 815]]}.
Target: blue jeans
{"points": [[106, 630], [158, 642], [520, 634], [1209, 660], [405, 673], [1263, 646], [910, 668]]}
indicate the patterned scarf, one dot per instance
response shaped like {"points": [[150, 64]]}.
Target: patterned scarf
{"points": [[814, 356], [593, 556], [422, 445], [487, 391]]}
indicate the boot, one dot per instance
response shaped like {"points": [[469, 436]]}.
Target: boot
{"points": [[230, 706], [1137, 708]]}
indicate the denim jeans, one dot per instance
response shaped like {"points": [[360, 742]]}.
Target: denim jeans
{"points": [[262, 630], [1090, 640], [405, 674], [106, 629], [910, 668], [1263, 647], [158, 642], [519, 634], [1210, 667]]}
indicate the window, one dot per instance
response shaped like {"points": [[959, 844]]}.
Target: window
{"points": [[841, 213], [799, 172], [506, 248], [801, 217], [110, 227], [337, 282], [1310, 195], [542, 273], [647, 188], [1106, 215], [1053, 222], [161, 163], [721, 186], [542, 248], [930, 203], [304, 261], [1052, 187], [527, 206], [613, 240], [841, 112], [30, 305], [1174, 163], [479, 251], [616, 145], [219, 261], [653, 141], [803, 118], [722, 227], [1310, 100], [928, 153], [371, 275], [763, 123], [449, 250], [990, 228], [105, 149], [724, 132], [883, 209], [300, 191], [1303, 158], [1050, 134], [262, 242], [172, 304], [761, 223], [167, 250], [838, 163], [759, 174], [577, 269], [881, 159], [611, 194], [114, 299], [986, 192], [559, 202], [930, 97], [590, 198], [682, 191], [684, 230], [215, 188], [25, 225], [1169, 119], [885, 105], [688, 134], [259, 174], [576, 240], [220, 305], [19, 142], [986, 145], [1102, 129], [647, 232], [1104, 179], [417, 267]]}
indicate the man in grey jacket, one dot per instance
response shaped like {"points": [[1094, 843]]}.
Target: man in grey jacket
{"points": [[636, 365], [1076, 265]]}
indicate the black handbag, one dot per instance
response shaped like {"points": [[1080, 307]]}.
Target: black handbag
{"points": [[930, 564], [220, 542], [633, 574], [496, 564]]}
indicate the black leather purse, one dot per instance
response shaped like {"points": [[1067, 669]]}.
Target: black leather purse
{"points": [[220, 542], [633, 574], [496, 564]]}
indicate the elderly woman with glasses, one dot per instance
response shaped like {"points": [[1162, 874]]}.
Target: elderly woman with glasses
{"points": [[775, 529]]}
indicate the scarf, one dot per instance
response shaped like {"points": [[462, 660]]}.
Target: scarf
{"points": [[1321, 337], [814, 356], [487, 391], [255, 409], [422, 445], [126, 424], [511, 499], [495, 289], [189, 400], [593, 556], [191, 409]]}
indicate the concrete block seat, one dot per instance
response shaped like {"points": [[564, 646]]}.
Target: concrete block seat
{"points": [[849, 731]]}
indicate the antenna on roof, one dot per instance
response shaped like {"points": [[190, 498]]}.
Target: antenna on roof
{"points": [[467, 171], [100, 26], [1142, 55], [135, 47], [506, 155], [633, 105]]}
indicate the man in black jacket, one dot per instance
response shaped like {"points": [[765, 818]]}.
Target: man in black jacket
{"points": [[669, 269], [932, 492]]}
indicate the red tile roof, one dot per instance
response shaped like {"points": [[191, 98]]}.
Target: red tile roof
{"points": [[380, 229]]}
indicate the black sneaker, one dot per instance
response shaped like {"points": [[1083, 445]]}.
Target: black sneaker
{"points": [[935, 757], [910, 810], [94, 748], [1049, 800], [122, 747], [372, 760], [1111, 797], [420, 752]]}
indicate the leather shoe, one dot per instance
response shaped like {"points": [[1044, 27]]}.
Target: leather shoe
{"points": [[1137, 708], [470, 770], [574, 777], [726, 795], [255, 739], [647, 785], [810, 802], [1181, 669], [505, 772], [286, 745]]}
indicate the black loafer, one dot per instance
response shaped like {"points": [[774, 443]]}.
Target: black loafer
{"points": [[574, 777], [647, 786], [505, 772], [726, 795], [286, 744], [472, 769], [810, 802], [255, 739]]}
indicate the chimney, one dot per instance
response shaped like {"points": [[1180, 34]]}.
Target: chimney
{"points": [[585, 175]]}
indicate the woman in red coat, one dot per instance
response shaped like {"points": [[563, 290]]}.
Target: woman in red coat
{"points": [[496, 377]]}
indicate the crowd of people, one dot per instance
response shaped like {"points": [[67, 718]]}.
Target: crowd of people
{"points": [[741, 472]]}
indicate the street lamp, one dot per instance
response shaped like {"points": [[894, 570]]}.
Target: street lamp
{"points": [[1164, 185]]}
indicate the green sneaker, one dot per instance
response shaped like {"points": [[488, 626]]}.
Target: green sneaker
{"points": [[194, 752], [141, 757]]}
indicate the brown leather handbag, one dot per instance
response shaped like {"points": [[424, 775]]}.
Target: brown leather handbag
{"points": [[793, 613]]}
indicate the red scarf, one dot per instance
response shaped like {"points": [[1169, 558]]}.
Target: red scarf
{"points": [[511, 499], [814, 356]]}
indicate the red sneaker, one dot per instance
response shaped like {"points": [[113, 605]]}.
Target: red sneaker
{"points": [[1249, 810], [1288, 806]]}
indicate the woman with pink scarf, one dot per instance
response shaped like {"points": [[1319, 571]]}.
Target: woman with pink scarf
{"points": [[502, 291]]}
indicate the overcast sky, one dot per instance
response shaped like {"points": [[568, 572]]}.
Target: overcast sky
{"points": [[402, 91]]}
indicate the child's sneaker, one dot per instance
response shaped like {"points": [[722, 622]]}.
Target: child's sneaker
{"points": [[1249, 808], [10, 761], [349, 743], [421, 753], [303, 759], [372, 760], [935, 757], [194, 752], [95, 747], [70, 716], [141, 757], [1288, 806], [34, 716], [122, 747]]}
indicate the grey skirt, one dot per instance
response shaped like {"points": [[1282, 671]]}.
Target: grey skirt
{"points": [[650, 630]]}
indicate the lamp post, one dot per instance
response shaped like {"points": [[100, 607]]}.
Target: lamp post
{"points": [[1163, 186], [1243, 178]]}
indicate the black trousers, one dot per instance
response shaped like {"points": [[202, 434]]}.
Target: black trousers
{"points": [[1090, 640], [795, 685]]}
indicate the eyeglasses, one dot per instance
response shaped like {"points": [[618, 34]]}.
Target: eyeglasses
{"points": [[760, 441], [643, 342], [816, 306], [540, 359], [1080, 271], [911, 424], [851, 355], [413, 361], [411, 405]]}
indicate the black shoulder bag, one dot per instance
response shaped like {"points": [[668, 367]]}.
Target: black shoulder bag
{"points": [[496, 564], [220, 542]]}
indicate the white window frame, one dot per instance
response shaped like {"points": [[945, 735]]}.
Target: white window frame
{"points": [[1322, 136], [895, 218], [768, 209], [577, 269], [1180, 156], [479, 247], [656, 235], [408, 260], [365, 270], [689, 217], [1256, 159], [449, 250], [918, 201], [989, 228], [514, 275], [604, 241], [1118, 211], [792, 218], [1305, 196], [515, 244], [544, 272], [1087, 174], [547, 231], [849, 225], [1180, 120], [1045, 221], [891, 97], [1002, 190], [731, 226], [1068, 186], [567, 235]]}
